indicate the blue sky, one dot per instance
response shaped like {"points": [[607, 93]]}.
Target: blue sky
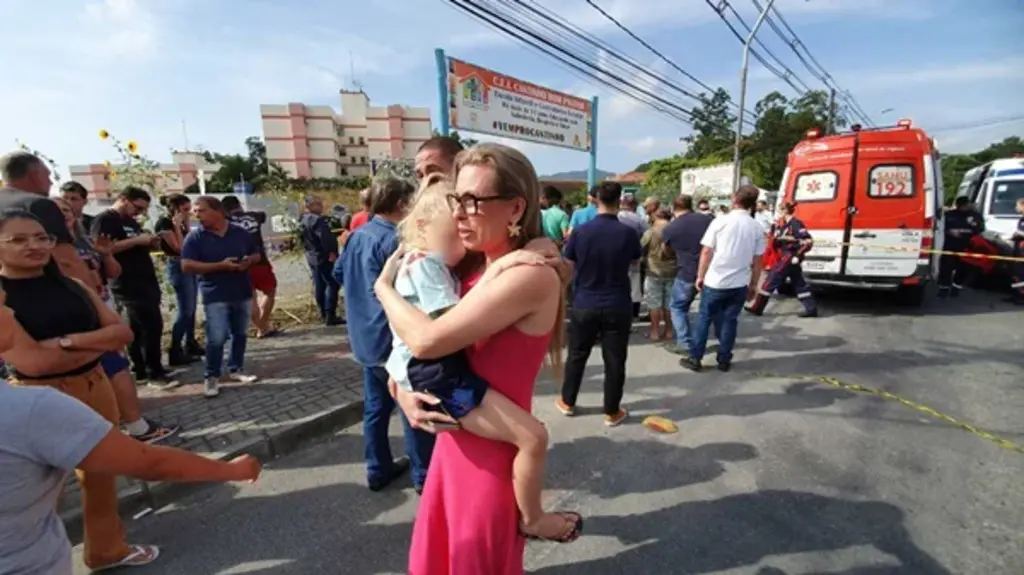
{"points": [[139, 67]]}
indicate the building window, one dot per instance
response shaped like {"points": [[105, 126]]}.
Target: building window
{"points": [[351, 140], [362, 142], [340, 131], [342, 152], [362, 159], [344, 171]]}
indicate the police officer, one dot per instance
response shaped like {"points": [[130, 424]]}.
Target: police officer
{"points": [[1017, 239], [791, 241], [961, 224]]}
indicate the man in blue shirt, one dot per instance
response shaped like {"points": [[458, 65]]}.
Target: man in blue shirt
{"points": [[356, 270], [321, 248], [603, 251], [221, 253], [683, 235], [584, 215]]}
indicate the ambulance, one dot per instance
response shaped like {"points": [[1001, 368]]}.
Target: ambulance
{"points": [[872, 200], [994, 189]]}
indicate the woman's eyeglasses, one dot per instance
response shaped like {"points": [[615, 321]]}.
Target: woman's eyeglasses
{"points": [[40, 240], [470, 203]]}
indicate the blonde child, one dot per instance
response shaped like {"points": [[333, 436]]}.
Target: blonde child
{"points": [[425, 280]]}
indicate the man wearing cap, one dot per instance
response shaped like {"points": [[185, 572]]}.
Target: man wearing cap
{"points": [[321, 247]]}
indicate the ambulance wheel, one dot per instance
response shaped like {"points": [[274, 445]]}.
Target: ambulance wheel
{"points": [[911, 296]]}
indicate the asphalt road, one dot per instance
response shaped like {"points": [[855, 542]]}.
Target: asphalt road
{"points": [[768, 474]]}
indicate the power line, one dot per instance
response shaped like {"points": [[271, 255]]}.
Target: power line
{"points": [[545, 46], [978, 124], [657, 53], [546, 19], [810, 62], [779, 70]]}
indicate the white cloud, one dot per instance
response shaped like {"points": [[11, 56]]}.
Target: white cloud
{"points": [[119, 29], [959, 73], [651, 145]]}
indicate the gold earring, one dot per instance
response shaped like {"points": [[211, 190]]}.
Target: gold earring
{"points": [[514, 230]]}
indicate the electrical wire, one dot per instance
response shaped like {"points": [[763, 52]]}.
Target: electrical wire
{"points": [[550, 49], [786, 33], [779, 70], [555, 24], [978, 124], [656, 52]]}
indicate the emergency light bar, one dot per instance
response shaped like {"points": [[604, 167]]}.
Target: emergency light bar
{"points": [[904, 123], [814, 133], [855, 128]]}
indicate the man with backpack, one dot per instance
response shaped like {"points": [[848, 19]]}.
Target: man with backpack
{"points": [[661, 272]]}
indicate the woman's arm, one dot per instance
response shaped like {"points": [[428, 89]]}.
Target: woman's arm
{"points": [[113, 334], [510, 297], [34, 360], [119, 454]]}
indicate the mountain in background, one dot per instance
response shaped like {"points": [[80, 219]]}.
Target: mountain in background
{"points": [[577, 175]]}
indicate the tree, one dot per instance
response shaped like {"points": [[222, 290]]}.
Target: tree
{"points": [[713, 127], [454, 134]]}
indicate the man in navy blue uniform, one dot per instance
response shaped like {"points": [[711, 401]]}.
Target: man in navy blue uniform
{"points": [[961, 224], [1017, 283], [603, 251], [792, 239]]}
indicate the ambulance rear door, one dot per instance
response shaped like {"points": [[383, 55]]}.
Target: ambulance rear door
{"points": [[887, 208], [819, 180]]}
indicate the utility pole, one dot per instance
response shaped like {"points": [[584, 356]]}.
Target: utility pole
{"points": [[830, 127], [743, 93]]}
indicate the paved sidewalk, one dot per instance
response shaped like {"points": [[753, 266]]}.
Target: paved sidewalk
{"points": [[308, 385]]}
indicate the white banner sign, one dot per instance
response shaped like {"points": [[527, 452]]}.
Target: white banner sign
{"points": [[486, 102], [708, 182]]}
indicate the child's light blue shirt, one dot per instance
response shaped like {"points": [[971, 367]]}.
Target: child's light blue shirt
{"points": [[425, 281]]}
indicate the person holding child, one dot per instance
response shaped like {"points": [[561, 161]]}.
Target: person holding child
{"points": [[481, 498]]}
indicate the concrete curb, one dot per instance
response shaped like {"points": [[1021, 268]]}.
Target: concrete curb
{"points": [[142, 496]]}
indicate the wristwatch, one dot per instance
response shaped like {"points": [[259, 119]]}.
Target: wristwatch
{"points": [[64, 342]]}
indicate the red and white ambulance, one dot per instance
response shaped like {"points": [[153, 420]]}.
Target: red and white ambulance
{"points": [[872, 200]]}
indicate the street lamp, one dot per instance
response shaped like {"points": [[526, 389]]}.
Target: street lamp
{"points": [[743, 92]]}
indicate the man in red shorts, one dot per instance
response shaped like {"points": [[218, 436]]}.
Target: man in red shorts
{"points": [[262, 274]]}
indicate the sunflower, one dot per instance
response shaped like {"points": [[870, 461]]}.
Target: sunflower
{"points": [[132, 147], [104, 134], [106, 164], [112, 174]]}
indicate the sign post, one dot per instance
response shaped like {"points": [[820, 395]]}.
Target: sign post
{"points": [[475, 99], [592, 169], [442, 91]]}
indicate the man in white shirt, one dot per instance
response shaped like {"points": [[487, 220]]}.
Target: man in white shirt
{"points": [[764, 216], [727, 276]]}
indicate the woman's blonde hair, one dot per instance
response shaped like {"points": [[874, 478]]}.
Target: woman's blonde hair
{"points": [[429, 204], [516, 178]]}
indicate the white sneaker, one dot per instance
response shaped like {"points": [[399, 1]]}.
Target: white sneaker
{"points": [[239, 377], [210, 387]]}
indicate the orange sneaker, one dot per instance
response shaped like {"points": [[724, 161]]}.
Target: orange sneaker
{"points": [[566, 409], [613, 420]]}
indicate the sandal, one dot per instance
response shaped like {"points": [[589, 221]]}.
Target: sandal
{"points": [[568, 537], [138, 555]]}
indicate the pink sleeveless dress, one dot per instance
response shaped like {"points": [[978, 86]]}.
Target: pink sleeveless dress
{"points": [[467, 522]]}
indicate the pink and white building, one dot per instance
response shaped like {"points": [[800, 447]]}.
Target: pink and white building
{"points": [[182, 173], [319, 142]]}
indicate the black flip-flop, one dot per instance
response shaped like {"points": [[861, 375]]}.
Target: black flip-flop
{"points": [[569, 537]]}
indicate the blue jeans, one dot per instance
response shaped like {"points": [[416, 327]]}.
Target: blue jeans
{"points": [[325, 289], [377, 407], [683, 294], [224, 320], [721, 307], [186, 292]]}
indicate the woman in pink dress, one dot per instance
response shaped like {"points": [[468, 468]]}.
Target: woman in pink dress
{"points": [[467, 522]]}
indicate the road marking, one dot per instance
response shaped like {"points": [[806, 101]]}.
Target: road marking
{"points": [[972, 429]]}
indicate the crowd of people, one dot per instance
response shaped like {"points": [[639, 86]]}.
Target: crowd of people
{"points": [[455, 297], [453, 327]]}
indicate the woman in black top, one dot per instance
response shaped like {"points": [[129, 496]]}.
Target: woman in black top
{"points": [[172, 229], [66, 327]]}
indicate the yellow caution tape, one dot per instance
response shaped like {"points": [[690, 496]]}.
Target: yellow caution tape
{"points": [[974, 430], [971, 255]]}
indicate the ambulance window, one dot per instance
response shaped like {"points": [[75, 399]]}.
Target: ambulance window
{"points": [[891, 181], [815, 187]]}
